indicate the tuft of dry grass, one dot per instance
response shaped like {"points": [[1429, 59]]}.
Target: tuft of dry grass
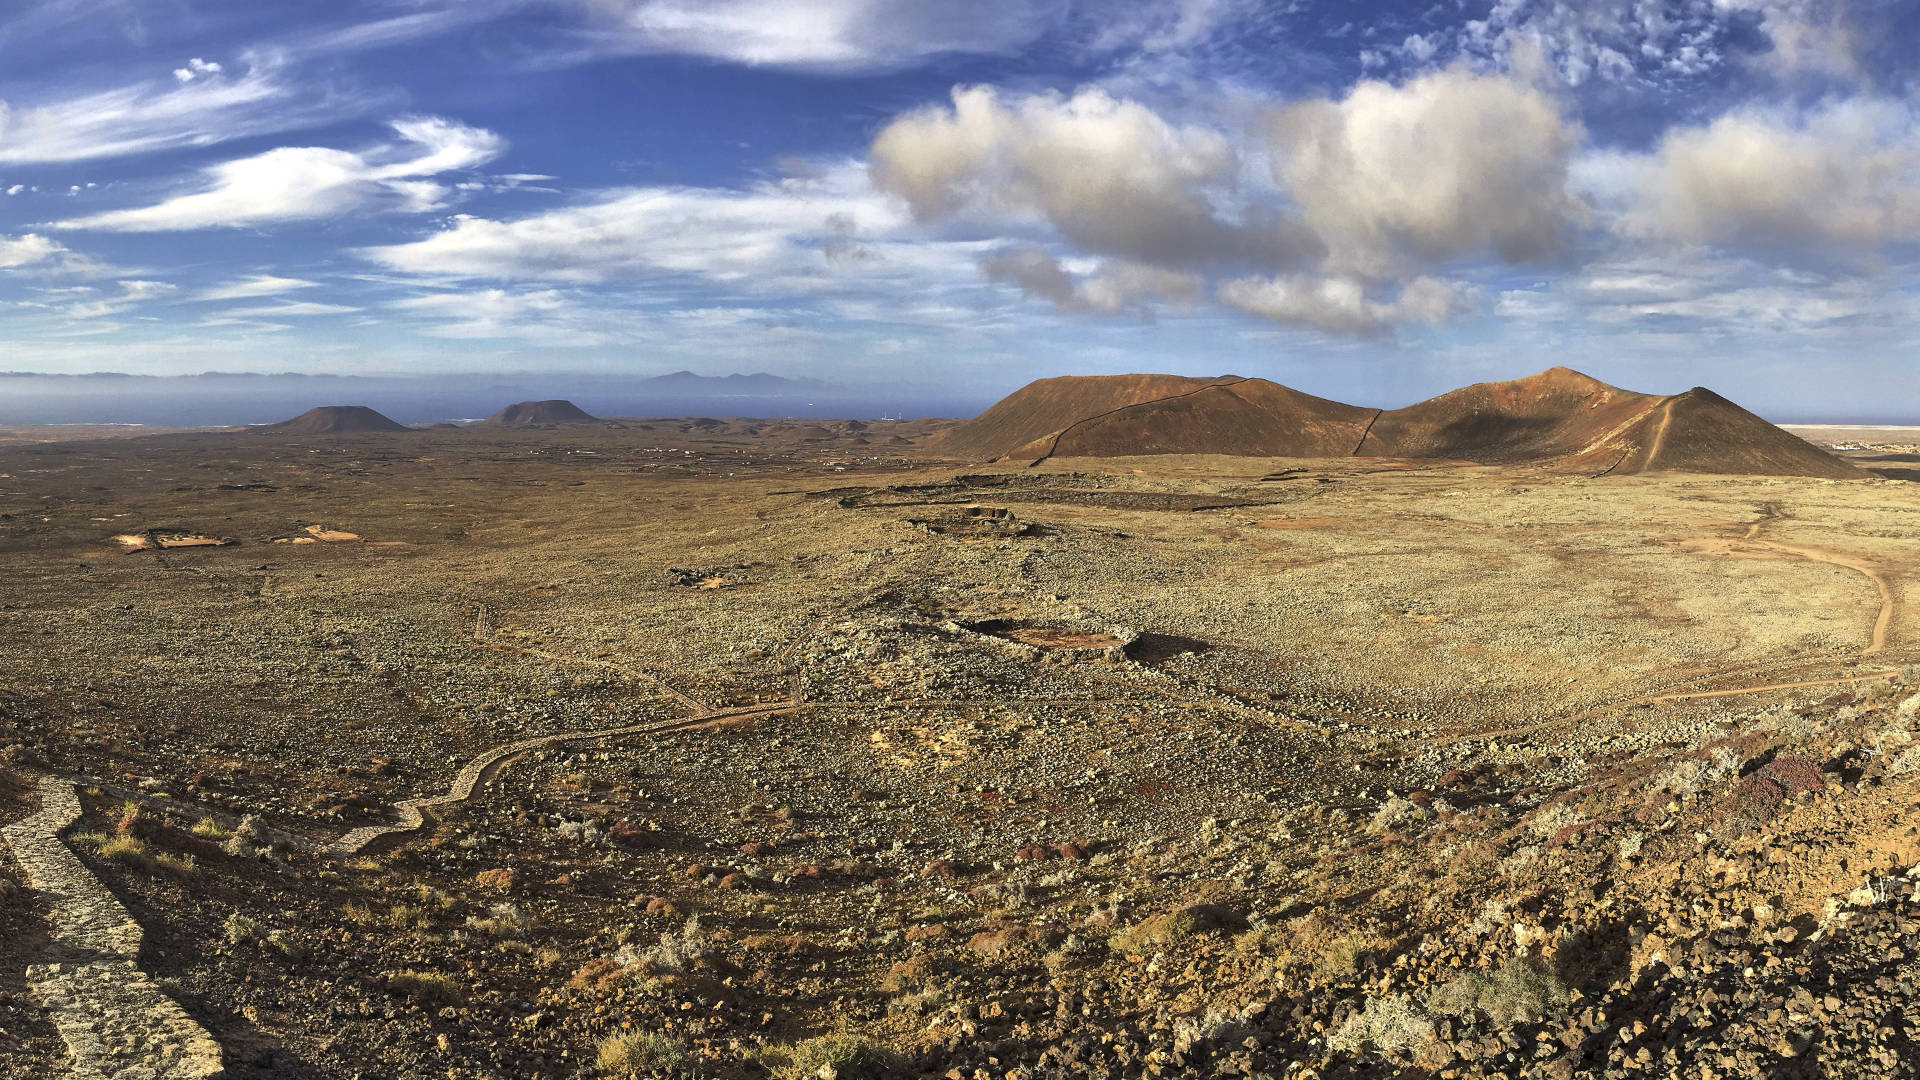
{"points": [[845, 1055], [642, 1053], [429, 986], [131, 851]]}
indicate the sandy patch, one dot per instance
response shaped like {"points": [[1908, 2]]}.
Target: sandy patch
{"points": [[319, 534], [1061, 639], [168, 538], [1302, 523]]}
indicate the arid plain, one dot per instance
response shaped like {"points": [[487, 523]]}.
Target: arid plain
{"points": [[861, 762]]}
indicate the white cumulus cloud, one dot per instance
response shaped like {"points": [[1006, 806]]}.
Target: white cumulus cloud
{"points": [[1844, 174], [195, 68], [1115, 287], [1368, 194], [1342, 305], [1448, 164], [1111, 175]]}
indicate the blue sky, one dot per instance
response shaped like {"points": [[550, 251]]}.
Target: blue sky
{"points": [[1368, 201]]}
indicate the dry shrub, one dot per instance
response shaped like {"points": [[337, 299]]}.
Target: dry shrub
{"points": [[1172, 927], [243, 931], [1795, 774], [600, 973], [501, 879], [908, 975], [1000, 941], [678, 952], [1328, 951], [1757, 798], [642, 1053], [1391, 1026], [1522, 990], [845, 1055]]}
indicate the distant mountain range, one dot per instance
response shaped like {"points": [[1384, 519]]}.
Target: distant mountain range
{"points": [[213, 399], [759, 384]]}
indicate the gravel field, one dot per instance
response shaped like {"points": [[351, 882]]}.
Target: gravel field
{"points": [[1122, 767]]}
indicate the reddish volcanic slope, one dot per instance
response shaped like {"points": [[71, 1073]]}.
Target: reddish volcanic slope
{"points": [[1249, 418], [1553, 414], [1562, 418], [334, 420], [1043, 408], [1700, 431], [1558, 418]]}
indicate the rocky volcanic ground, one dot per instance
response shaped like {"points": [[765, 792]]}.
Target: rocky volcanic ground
{"points": [[1129, 768]]}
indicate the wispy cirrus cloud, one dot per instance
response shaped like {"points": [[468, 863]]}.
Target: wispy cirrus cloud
{"points": [[543, 316], [290, 309], [253, 287], [34, 253], [296, 183], [803, 234], [132, 293], [823, 35], [168, 113]]}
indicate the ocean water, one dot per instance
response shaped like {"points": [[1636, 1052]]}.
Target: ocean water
{"points": [[223, 400]]}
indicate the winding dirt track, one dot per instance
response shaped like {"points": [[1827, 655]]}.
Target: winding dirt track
{"points": [[481, 769], [1660, 433], [1870, 676], [1877, 640]]}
